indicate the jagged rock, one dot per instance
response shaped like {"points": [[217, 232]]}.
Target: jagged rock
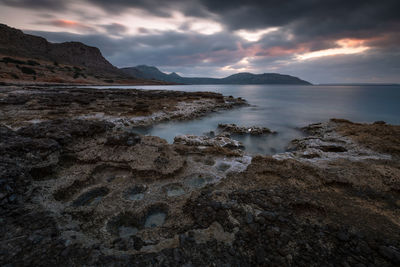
{"points": [[194, 140], [121, 107], [253, 130], [324, 144], [123, 139], [65, 131]]}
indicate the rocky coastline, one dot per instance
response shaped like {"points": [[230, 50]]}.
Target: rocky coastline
{"points": [[22, 106], [79, 188]]}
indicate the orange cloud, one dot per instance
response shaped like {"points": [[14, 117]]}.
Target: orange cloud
{"points": [[63, 23], [277, 51], [347, 46], [350, 42]]}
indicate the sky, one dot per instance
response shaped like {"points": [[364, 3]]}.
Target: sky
{"points": [[340, 41]]}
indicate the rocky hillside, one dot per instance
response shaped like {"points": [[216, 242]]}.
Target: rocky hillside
{"points": [[28, 58], [149, 72], [14, 42]]}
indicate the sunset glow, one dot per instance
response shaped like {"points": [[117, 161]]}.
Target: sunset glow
{"points": [[67, 22], [347, 47]]}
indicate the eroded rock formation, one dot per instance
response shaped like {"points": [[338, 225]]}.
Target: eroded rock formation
{"points": [[91, 192]]}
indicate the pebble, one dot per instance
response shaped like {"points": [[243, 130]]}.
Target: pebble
{"points": [[12, 198], [249, 218]]}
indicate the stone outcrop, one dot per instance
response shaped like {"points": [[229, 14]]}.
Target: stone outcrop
{"points": [[325, 144], [123, 107], [219, 141], [241, 130]]}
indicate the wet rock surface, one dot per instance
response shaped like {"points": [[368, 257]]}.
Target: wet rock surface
{"points": [[241, 130], [326, 143], [21, 106], [218, 141], [69, 196]]}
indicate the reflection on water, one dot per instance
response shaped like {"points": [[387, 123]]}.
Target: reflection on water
{"points": [[284, 109]]}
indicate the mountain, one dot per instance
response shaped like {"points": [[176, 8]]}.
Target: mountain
{"points": [[14, 42], [265, 78], [29, 58], [149, 72]]}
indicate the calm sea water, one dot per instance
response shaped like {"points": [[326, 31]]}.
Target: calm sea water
{"points": [[284, 109]]}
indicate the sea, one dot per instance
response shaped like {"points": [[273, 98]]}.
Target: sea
{"points": [[284, 109]]}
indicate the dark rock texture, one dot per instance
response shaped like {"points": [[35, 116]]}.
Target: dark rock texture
{"points": [[241, 130], [67, 186], [128, 107]]}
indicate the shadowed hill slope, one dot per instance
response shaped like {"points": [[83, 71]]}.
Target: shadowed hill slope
{"points": [[149, 72]]}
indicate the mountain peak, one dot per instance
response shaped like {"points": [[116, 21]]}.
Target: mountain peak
{"points": [[174, 75], [148, 72], [146, 67]]}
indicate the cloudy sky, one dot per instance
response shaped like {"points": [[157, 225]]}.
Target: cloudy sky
{"points": [[326, 41]]}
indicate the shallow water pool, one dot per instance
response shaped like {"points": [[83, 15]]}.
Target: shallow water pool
{"points": [[284, 108]]}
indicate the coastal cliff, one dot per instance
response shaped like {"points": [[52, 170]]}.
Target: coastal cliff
{"points": [[26, 58]]}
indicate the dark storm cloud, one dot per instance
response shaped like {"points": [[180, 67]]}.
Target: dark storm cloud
{"points": [[160, 49], [339, 15], [157, 7], [304, 26], [36, 4], [115, 28], [327, 20], [205, 55], [305, 18], [312, 23]]}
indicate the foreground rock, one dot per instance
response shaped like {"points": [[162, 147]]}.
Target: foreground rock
{"points": [[84, 192], [340, 140], [218, 141], [253, 130], [126, 107]]}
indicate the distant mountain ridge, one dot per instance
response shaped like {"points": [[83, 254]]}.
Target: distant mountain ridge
{"points": [[150, 72]]}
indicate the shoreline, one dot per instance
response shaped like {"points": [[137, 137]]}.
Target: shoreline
{"points": [[89, 192], [125, 107]]}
